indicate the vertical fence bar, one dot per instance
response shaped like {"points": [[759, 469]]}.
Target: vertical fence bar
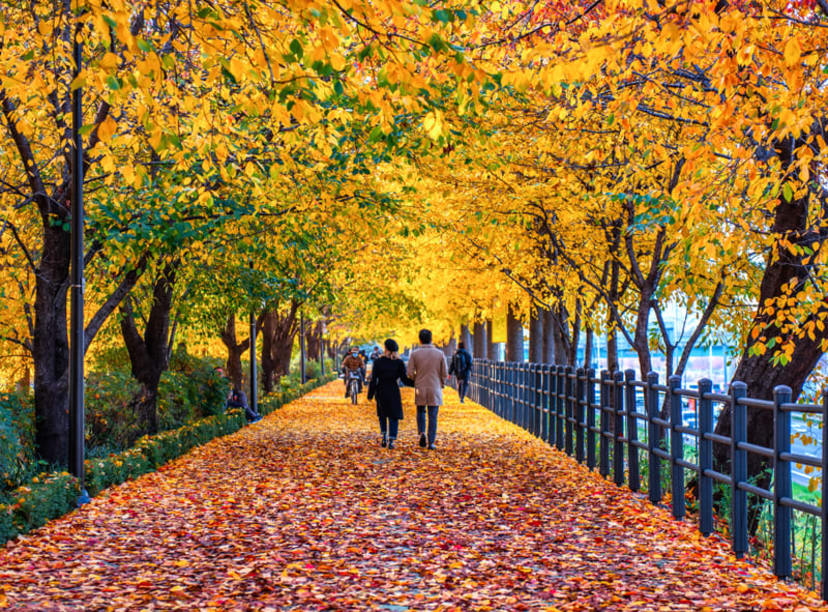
{"points": [[568, 403], [824, 495], [632, 432], [560, 378], [705, 458], [538, 378], [544, 403], [512, 390], [533, 382], [653, 439], [618, 431], [590, 418], [738, 469], [580, 414], [782, 486], [603, 465], [676, 448]]}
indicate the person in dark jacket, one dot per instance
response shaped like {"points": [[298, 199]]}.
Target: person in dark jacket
{"points": [[385, 376], [461, 365]]}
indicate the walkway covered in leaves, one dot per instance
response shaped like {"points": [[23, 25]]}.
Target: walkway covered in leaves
{"points": [[304, 510]]}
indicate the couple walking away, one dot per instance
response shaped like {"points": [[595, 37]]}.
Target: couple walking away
{"points": [[427, 373]]}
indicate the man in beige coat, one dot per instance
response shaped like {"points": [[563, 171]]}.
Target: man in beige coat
{"points": [[427, 368]]}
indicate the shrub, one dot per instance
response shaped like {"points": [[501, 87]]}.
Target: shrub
{"points": [[17, 446], [32, 505]]}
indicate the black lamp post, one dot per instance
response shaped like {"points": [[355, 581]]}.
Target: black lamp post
{"points": [[76, 322], [302, 347]]}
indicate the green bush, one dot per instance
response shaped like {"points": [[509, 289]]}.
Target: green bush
{"points": [[32, 505], [17, 446], [192, 391]]}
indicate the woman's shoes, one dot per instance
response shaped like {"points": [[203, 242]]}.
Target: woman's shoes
{"points": [[423, 440], [384, 442], [391, 444]]}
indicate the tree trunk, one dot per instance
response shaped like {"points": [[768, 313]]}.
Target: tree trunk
{"points": [[560, 333], [148, 354], [490, 347], [612, 350], [50, 348], [548, 336], [235, 350], [313, 340], [514, 336], [536, 337], [480, 340], [279, 330], [466, 337], [588, 348]]}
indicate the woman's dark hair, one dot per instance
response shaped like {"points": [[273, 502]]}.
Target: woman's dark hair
{"points": [[425, 336], [391, 345]]}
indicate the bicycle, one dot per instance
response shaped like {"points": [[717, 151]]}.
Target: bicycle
{"points": [[353, 387]]}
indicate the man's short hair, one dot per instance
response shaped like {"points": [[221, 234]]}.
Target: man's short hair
{"points": [[425, 336], [461, 345]]}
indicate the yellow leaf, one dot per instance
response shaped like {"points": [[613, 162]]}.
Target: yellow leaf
{"points": [[792, 51], [106, 129]]}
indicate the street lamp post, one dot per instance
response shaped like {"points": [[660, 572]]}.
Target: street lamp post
{"points": [[76, 327], [302, 347]]}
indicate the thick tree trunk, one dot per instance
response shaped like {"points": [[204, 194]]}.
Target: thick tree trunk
{"points": [[536, 337], [548, 336], [612, 350], [148, 354], [50, 348], [514, 336], [480, 341], [490, 347], [783, 270], [590, 336], [279, 330], [235, 350], [313, 340], [466, 337], [561, 338]]}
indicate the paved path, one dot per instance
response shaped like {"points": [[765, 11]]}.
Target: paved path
{"points": [[304, 510]]}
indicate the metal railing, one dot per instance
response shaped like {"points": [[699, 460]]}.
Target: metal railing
{"points": [[596, 418]]}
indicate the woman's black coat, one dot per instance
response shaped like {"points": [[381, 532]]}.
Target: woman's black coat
{"points": [[384, 376]]}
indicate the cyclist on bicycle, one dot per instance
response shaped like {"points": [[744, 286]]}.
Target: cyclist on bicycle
{"points": [[353, 363]]}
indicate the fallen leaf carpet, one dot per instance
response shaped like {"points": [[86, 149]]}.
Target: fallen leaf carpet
{"points": [[305, 511]]}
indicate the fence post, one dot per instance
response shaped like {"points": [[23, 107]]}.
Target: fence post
{"points": [[603, 416], [618, 431], [782, 565], [653, 439], [676, 448], [545, 403], [536, 404], [580, 413], [590, 417], [705, 458], [824, 494], [568, 404], [632, 432], [738, 469], [559, 405]]}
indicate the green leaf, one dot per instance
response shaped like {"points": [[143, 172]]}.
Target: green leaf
{"points": [[296, 48], [113, 83], [787, 192], [143, 45]]}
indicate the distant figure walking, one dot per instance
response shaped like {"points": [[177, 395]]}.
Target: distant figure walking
{"points": [[388, 370], [461, 365], [427, 368]]}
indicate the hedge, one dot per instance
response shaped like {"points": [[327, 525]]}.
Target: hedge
{"points": [[50, 495]]}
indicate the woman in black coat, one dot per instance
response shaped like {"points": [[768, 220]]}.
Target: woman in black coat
{"points": [[386, 373]]}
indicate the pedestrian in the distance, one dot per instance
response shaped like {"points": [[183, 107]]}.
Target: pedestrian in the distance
{"points": [[461, 365], [427, 368], [388, 370]]}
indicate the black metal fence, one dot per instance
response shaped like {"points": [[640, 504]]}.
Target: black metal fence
{"points": [[597, 419]]}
